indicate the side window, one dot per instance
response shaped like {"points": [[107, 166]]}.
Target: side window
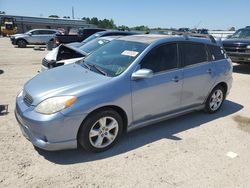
{"points": [[216, 52], [46, 32], [36, 32], [161, 58], [193, 53]]}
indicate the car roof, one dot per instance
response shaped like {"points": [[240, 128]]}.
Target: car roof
{"points": [[44, 29], [151, 38], [110, 37], [116, 32]]}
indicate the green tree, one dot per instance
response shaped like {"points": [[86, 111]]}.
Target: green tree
{"points": [[94, 21], [123, 28]]}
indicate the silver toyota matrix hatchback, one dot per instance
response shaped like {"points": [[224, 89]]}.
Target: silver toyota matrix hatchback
{"points": [[130, 82]]}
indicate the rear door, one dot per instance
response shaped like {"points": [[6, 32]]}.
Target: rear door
{"points": [[46, 35], [198, 73], [161, 94]]}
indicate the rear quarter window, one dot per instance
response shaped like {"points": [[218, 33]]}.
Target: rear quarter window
{"points": [[216, 52]]}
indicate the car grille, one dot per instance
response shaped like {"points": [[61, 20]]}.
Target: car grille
{"points": [[238, 48], [28, 100], [45, 62]]}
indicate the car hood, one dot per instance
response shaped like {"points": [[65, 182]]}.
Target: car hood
{"points": [[70, 79], [236, 41], [52, 55]]}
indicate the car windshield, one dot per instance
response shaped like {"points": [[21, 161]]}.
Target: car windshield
{"points": [[93, 45], [90, 38], [242, 33], [115, 57]]}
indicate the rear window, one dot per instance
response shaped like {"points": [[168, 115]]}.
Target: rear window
{"points": [[193, 53], [93, 45], [216, 52]]}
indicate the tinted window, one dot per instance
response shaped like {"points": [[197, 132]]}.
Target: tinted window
{"points": [[161, 58], [216, 52], [193, 53], [46, 32], [36, 32]]}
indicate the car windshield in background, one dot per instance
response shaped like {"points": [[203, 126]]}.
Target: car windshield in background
{"points": [[93, 45], [90, 38], [115, 57], [242, 33]]}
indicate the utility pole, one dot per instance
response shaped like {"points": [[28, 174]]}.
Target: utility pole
{"points": [[73, 14]]}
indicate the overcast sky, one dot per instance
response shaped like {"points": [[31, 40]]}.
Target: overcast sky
{"points": [[212, 14]]}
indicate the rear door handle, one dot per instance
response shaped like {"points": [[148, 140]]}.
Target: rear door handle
{"points": [[176, 79], [209, 71]]}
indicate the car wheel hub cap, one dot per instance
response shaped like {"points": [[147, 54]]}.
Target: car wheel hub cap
{"points": [[103, 132], [216, 100]]}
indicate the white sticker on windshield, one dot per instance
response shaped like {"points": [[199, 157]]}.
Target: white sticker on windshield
{"points": [[130, 53], [100, 42]]}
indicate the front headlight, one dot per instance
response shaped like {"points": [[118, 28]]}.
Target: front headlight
{"points": [[55, 104], [248, 47]]}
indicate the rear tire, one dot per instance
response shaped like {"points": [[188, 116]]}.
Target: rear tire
{"points": [[215, 99], [21, 43], [101, 130]]}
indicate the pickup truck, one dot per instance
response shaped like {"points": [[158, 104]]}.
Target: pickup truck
{"points": [[82, 35], [237, 46]]}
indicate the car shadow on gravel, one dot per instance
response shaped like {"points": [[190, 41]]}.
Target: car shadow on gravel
{"points": [[144, 136], [242, 69]]}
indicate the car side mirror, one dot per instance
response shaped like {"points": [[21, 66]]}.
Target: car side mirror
{"points": [[29, 34], [142, 74]]}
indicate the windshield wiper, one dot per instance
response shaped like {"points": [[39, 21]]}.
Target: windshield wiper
{"points": [[86, 65], [99, 69]]}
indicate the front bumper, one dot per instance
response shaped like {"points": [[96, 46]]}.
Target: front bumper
{"points": [[239, 57], [48, 132], [13, 40]]}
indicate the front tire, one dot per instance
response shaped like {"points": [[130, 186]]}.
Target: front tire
{"points": [[21, 43], [101, 130], [215, 100]]}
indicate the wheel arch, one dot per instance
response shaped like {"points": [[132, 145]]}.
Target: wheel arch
{"points": [[222, 84], [21, 39], [118, 109]]}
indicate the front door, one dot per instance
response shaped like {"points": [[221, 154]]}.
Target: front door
{"points": [[161, 94]]}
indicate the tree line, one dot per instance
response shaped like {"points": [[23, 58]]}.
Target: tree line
{"points": [[109, 24]]}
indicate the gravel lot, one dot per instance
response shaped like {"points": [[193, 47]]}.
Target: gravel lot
{"points": [[190, 151]]}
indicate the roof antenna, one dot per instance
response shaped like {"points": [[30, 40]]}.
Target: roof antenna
{"points": [[73, 14]]}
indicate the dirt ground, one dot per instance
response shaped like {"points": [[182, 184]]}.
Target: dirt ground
{"points": [[189, 151]]}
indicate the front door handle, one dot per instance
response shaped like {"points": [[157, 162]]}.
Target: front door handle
{"points": [[176, 79]]}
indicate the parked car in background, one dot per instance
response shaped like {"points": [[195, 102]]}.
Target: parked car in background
{"points": [[203, 31], [33, 37], [237, 46], [104, 34], [81, 35], [66, 54], [184, 29], [130, 82]]}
